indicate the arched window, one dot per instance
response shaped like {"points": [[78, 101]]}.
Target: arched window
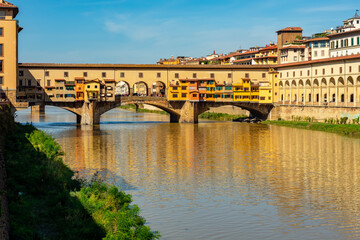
{"points": [[317, 97], [351, 97], [342, 98], [309, 97], [333, 97], [325, 97]]}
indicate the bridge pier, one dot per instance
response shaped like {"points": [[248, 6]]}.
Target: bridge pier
{"points": [[38, 109], [189, 112], [90, 114]]}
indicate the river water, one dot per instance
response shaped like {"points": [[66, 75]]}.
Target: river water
{"points": [[219, 180]]}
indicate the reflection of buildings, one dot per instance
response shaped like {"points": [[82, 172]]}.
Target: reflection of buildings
{"points": [[269, 164], [93, 150]]}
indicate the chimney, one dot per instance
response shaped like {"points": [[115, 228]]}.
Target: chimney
{"points": [[214, 52]]}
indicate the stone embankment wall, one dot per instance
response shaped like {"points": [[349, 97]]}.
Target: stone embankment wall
{"points": [[319, 113]]}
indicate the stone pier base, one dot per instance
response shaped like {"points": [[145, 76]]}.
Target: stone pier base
{"points": [[90, 114], [38, 109]]}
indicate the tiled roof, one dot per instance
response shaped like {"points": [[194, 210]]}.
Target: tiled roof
{"points": [[317, 39], [109, 80], [243, 60], [273, 47], [132, 66], [10, 5], [247, 53], [320, 61], [291, 29], [293, 47]]}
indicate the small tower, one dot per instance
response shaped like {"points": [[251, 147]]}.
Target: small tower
{"points": [[9, 30], [287, 35]]}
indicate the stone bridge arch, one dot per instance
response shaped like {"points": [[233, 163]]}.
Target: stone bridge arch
{"points": [[158, 89]]}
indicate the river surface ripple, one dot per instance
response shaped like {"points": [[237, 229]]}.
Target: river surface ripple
{"points": [[219, 180]]}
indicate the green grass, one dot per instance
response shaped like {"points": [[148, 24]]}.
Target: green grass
{"points": [[133, 108], [220, 116], [46, 202], [343, 129]]}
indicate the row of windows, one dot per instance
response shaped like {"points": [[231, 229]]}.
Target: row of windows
{"points": [[184, 95], [317, 98], [345, 43], [141, 75], [323, 72]]}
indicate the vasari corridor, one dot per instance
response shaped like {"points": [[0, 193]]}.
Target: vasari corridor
{"points": [[119, 120]]}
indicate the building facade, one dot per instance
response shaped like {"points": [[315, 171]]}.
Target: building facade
{"points": [[9, 30]]}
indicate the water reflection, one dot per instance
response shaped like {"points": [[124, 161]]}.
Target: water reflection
{"points": [[225, 180]]}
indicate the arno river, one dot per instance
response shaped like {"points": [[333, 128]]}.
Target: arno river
{"points": [[219, 180]]}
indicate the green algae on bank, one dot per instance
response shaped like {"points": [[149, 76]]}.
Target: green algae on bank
{"points": [[343, 129]]}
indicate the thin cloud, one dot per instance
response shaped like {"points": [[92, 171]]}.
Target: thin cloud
{"points": [[326, 9]]}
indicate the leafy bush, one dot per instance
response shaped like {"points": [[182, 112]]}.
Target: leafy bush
{"points": [[343, 120], [111, 209], [46, 202]]}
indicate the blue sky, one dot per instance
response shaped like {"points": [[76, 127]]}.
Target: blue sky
{"points": [[137, 31]]}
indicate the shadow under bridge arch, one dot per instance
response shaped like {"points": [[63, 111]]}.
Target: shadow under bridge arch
{"points": [[261, 111], [158, 102]]}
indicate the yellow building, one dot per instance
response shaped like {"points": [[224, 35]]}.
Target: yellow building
{"points": [[179, 91], [170, 61], [210, 90], [245, 91], [92, 90], [9, 30], [267, 56]]}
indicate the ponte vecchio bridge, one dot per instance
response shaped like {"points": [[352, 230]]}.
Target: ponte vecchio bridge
{"points": [[70, 86]]}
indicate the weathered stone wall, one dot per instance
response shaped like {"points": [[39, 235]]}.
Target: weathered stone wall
{"points": [[319, 113]]}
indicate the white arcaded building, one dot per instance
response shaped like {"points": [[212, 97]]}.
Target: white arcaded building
{"points": [[346, 40]]}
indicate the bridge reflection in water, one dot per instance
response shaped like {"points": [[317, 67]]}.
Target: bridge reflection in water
{"points": [[220, 180]]}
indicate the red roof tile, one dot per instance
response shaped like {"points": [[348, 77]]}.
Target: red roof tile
{"points": [[243, 60], [293, 47], [10, 5], [273, 47], [290, 29], [318, 39]]}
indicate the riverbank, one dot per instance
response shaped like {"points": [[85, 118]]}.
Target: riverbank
{"points": [[205, 115], [47, 202], [342, 129]]}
